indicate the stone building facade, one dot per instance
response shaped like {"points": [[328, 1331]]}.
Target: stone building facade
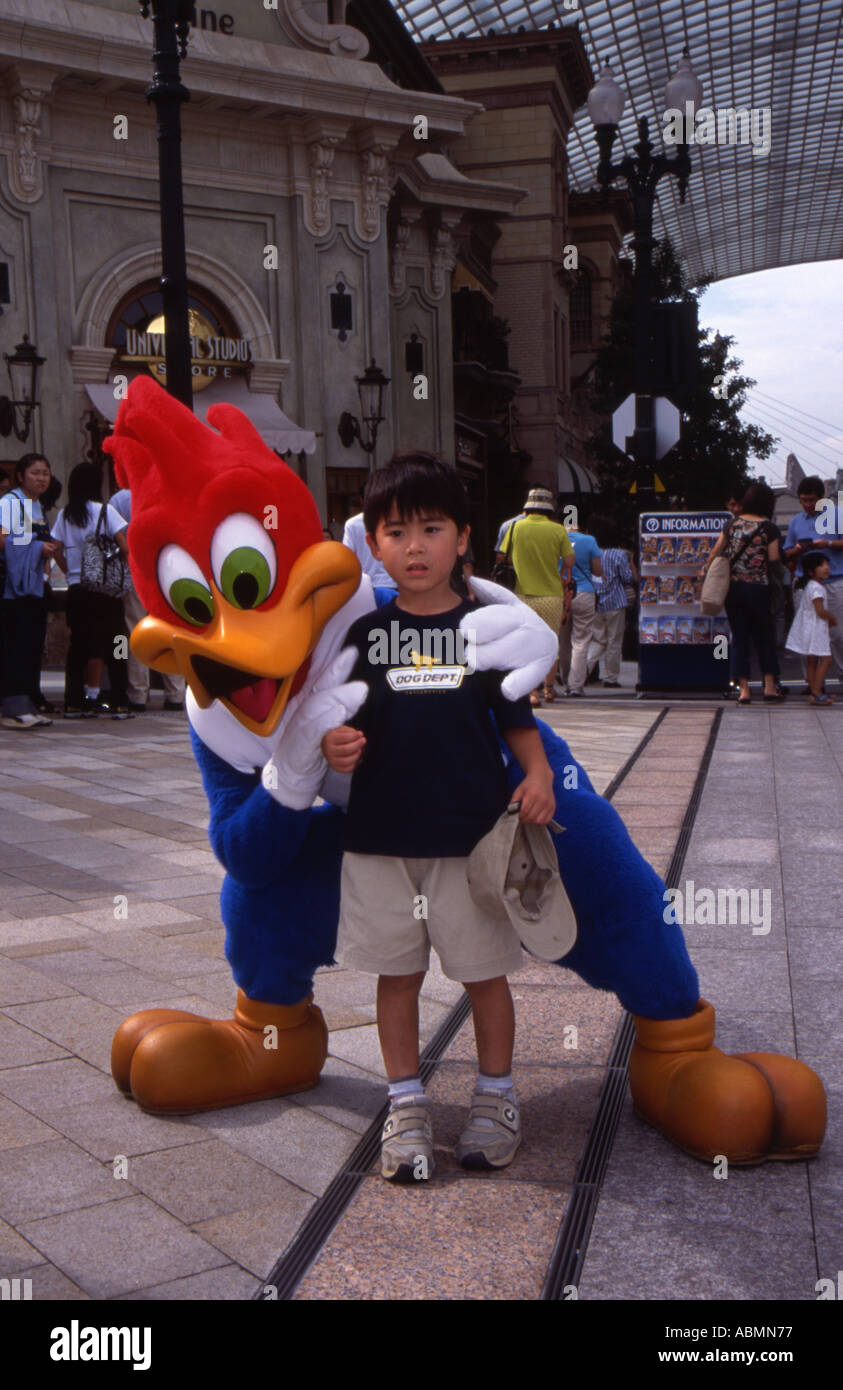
{"points": [[295, 149], [349, 196], [556, 263]]}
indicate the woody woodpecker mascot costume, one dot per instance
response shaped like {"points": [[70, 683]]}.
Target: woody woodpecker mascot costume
{"points": [[250, 604]]}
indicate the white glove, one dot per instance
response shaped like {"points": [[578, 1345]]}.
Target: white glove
{"points": [[297, 768], [506, 635]]}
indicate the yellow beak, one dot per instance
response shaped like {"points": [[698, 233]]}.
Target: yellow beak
{"points": [[241, 648]]}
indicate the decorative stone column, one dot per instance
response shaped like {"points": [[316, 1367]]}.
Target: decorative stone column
{"points": [[321, 157], [30, 90], [398, 250], [443, 253], [377, 179]]}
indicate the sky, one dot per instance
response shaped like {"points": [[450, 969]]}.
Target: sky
{"points": [[788, 324]]}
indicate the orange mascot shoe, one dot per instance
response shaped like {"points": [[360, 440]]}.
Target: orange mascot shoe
{"points": [[130, 1033], [182, 1063], [748, 1107]]}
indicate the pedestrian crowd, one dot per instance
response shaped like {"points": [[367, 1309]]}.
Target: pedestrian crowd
{"points": [[811, 555], [581, 583], [87, 540], [579, 579]]}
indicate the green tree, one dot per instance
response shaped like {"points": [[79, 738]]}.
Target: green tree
{"points": [[711, 461]]}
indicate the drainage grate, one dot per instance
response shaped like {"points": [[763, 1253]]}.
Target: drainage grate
{"points": [[289, 1271], [568, 1258], [323, 1216]]}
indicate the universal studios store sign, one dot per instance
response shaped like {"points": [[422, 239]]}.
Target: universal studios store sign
{"points": [[212, 357]]}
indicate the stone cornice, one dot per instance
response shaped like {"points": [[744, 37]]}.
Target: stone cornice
{"points": [[533, 92], [267, 374], [506, 51], [74, 38], [90, 363], [433, 179]]}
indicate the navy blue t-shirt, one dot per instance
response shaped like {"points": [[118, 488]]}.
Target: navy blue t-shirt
{"points": [[431, 781]]}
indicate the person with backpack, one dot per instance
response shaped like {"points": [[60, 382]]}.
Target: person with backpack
{"points": [[95, 619], [26, 547], [751, 543]]}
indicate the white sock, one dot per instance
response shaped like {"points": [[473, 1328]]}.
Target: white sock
{"points": [[501, 1085], [91, 692], [408, 1087]]}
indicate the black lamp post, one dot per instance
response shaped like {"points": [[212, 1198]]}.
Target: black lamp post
{"points": [[23, 365], [171, 20], [370, 388], [642, 175]]}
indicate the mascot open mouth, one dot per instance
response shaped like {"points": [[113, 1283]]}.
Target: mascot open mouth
{"points": [[253, 695]]}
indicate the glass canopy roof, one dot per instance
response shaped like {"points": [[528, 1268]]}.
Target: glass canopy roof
{"points": [[744, 211]]}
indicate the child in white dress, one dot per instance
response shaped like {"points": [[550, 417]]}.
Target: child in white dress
{"points": [[809, 632]]}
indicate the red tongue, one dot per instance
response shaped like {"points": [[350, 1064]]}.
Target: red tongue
{"points": [[255, 699]]}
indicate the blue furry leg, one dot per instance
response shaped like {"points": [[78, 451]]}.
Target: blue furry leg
{"points": [[624, 943]]}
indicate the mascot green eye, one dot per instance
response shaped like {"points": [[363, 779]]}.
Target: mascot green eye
{"points": [[184, 586], [243, 561]]}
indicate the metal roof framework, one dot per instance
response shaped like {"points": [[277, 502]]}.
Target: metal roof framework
{"points": [[745, 211]]}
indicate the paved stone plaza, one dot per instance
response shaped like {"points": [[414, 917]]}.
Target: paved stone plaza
{"points": [[110, 904]]}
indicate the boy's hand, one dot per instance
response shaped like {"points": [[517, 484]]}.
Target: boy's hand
{"points": [[343, 748], [536, 796], [832, 621]]}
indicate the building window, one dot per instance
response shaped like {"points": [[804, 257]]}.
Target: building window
{"points": [[341, 311], [414, 355], [581, 311]]}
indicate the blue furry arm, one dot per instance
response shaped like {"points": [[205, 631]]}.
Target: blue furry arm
{"points": [[253, 837]]}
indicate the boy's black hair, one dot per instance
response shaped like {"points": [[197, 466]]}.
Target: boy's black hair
{"points": [[414, 482], [810, 562], [811, 487]]}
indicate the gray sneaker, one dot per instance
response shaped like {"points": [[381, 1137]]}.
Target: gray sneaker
{"points": [[492, 1136], [407, 1142]]}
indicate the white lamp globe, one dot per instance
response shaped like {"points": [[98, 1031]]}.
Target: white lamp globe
{"points": [[684, 86], [606, 100]]}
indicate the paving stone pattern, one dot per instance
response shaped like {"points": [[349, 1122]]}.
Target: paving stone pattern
{"points": [[770, 819], [482, 1236], [107, 812], [102, 819]]}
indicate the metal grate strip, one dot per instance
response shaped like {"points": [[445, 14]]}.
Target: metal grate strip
{"points": [[291, 1267], [569, 1251]]}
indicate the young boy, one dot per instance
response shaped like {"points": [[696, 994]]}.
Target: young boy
{"points": [[429, 782]]}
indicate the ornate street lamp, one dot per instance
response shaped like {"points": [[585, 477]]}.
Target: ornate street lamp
{"points": [[642, 175], [370, 388], [171, 19], [23, 365]]}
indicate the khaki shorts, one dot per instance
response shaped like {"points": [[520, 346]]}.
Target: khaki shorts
{"points": [[383, 930]]}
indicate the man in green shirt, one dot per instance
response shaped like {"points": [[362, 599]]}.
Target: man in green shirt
{"points": [[538, 544]]}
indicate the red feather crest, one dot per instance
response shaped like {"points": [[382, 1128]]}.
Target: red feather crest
{"points": [[186, 478]]}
